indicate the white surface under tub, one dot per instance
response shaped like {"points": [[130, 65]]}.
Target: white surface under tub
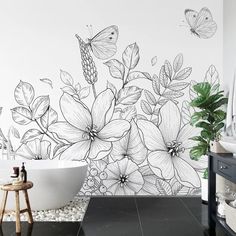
{"points": [[55, 182]]}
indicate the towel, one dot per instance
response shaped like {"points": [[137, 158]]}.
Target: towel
{"points": [[231, 110]]}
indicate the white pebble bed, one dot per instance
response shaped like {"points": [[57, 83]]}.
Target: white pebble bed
{"points": [[74, 211]]}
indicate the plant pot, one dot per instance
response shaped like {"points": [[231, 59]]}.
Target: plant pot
{"points": [[216, 147], [204, 190]]}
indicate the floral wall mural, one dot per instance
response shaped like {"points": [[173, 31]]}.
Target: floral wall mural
{"points": [[126, 116]]}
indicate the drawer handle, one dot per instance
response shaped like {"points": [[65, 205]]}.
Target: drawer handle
{"points": [[223, 167]]}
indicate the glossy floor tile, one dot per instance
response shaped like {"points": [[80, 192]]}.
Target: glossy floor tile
{"points": [[128, 216], [111, 216]]}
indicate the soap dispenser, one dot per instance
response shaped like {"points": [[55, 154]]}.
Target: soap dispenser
{"points": [[23, 173]]}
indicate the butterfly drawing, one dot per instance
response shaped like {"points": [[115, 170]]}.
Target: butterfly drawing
{"points": [[103, 44], [201, 23]]}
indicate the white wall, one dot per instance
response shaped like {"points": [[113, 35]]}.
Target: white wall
{"points": [[229, 52], [38, 39]]}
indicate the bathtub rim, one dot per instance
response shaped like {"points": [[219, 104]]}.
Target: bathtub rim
{"points": [[78, 164]]}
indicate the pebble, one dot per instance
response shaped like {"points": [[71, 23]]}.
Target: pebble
{"points": [[74, 211]]}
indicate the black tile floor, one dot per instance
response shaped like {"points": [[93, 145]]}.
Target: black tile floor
{"points": [[128, 216]]}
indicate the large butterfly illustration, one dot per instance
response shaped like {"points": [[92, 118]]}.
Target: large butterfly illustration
{"points": [[103, 44], [201, 23]]}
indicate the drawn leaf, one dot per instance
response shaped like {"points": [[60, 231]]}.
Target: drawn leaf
{"points": [[77, 87], [175, 186], [130, 56], [178, 62], [59, 148], [149, 186], [156, 84], [156, 110], [147, 75], [128, 113], [24, 93], [49, 117], [183, 191], [155, 121], [40, 106], [141, 117], [1, 110], [192, 93], [14, 132], [150, 97], [66, 78], [184, 73], [47, 81], [68, 89], [116, 68], [135, 148], [178, 86], [172, 94], [21, 115], [163, 77], [212, 76], [129, 95], [162, 101], [112, 87], [30, 135], [130, 145], [118, 109], [186, 113], [194, 191], [163, 187], [146, 108], [84, 92], [136, 75], [100, 165], [154, 61], [2, 136], [168, 69]]}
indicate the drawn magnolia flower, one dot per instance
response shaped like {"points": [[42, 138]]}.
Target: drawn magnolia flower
{"points": [[130, 146], [90, 133], [35, 149], [169, 145], [123, 177]]}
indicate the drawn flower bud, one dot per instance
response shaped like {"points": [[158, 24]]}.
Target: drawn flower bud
{"points": [[88, 65]]}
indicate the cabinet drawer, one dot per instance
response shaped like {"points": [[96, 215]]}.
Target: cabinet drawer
{"points": [[226, 168]]}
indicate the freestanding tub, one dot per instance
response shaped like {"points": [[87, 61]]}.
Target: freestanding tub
{"points": [[55, 182]]}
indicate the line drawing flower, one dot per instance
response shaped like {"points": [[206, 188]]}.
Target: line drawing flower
{"points": [[130, 146], [169, 146], [123, 177], [90, 133], [35, 150]]}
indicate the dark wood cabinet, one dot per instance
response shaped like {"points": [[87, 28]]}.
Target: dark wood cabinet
{"points": [[223, 164]]}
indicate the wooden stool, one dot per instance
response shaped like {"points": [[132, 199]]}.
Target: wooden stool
{"points": [[23, 187]]}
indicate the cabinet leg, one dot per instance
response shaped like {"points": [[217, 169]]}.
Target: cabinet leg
{"points": [[18, 226], [4, 201], [212, 228], [211, 196]]}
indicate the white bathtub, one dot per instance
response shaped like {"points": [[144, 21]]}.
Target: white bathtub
{"points": [[55, 182]]}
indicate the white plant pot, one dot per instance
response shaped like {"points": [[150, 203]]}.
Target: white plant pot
{"points": [[204, 190], [216, 147]]}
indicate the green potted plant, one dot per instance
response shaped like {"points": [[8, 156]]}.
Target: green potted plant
{"points": [[209, 117]]}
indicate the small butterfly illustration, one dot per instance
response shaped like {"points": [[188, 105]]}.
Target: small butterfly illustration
{"points": [[201, 23], [103, 44]]}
